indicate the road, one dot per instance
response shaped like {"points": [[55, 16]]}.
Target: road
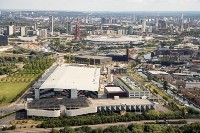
{"points": [[6, 121], [42, 130]]}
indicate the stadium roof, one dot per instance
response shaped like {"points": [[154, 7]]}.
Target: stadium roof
{"points": [[115, 39], [73, 77]]}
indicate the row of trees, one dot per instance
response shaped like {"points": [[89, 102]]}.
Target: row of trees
{"points": [[7, 64], [191, 33], [135, 128], [9, 59], [38, 64], [100, 119], [5, 70], [32, 69]]}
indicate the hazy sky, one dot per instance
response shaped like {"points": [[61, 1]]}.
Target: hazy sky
{"points": [[103, 5]]}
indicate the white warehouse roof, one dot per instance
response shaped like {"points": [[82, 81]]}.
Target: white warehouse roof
{"points": [[73, 77]]}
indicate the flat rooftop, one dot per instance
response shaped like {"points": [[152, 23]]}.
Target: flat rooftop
{"points": [[129, 84], [73, 77], [127, 101], [93, 57], [158, 73], [113, 89], [181, 74]]}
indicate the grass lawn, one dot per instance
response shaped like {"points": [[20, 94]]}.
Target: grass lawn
{"points": [[10, 90]]}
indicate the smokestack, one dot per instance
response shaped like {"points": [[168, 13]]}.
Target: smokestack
{"points": [[127, 54]]}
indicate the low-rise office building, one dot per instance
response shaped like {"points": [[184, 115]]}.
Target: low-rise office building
{"points": [[133, 89]]}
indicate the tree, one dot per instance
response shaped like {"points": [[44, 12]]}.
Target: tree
{"points": [[67, 130], [165, 85], [54, 131], [133, 64], [152, 54], [170, 129], [2, 99], [183, 111]]}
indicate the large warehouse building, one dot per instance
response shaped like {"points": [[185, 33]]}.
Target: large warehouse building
{"points": [[68, 81], [68, 90]]}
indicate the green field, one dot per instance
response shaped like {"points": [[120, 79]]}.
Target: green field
{"points": [[14, 84], [11, 90]]}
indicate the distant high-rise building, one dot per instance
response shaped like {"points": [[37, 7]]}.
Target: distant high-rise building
{"points": [[130, 30], [51, 24], [43, 33], [163, 24], [150, 29], [156, 22], [120, 32], [103, 20], [22, 31], [69, 28], [35, 26], [182, 27], [143, 25], [10, 30]]}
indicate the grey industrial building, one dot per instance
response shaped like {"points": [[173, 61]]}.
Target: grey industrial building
{"points": [[3, 40], [92, 60]]}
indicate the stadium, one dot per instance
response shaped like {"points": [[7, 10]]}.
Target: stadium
{"points": [[98, 40]]}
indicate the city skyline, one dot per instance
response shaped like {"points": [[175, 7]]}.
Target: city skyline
{"points": [[102, 5]]}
